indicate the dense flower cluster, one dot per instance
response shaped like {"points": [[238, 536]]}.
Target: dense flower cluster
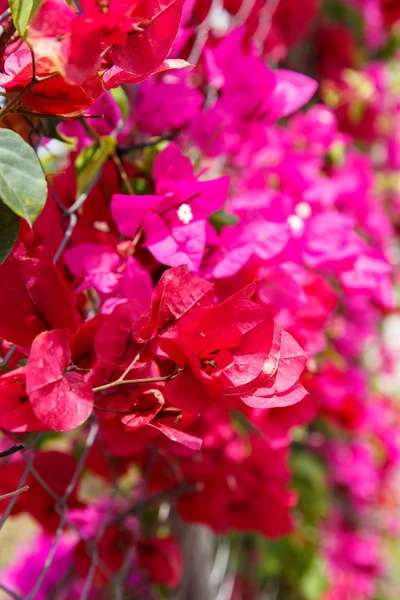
{"points": [[195, 327]]}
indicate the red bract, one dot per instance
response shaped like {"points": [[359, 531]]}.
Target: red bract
{"points": [[154, 32], [290, 21], [176, 293], [146, 412], [16, 412], [391, 11], [61, 399], [114, 343], [111, 547], [138, 37], [162, 559], [219, 347], [115, 76], [232, 350], [282, 388], [53, 470], [277, 423], [241, 484], [36, 299], [54, 96]]}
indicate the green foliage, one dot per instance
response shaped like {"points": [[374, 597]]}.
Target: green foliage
{"points": [[140, 186], [150, 154], [121, 99], [22, 12], [50, 129], [90, 161], [314, 583], [9, 227], [346, 15], [287, 560], [221, 218], [309, 482], [23, 186]]}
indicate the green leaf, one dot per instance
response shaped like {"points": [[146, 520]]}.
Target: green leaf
{"points": [[221, 218], [309, 480], [121, 99], [140, 186], [23, 185], [22, 12], [314, 583], [90, 161], [150, 154], [9, 227]]}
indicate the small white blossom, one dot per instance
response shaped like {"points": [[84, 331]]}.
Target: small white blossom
{"points": [[296, 223], [184, 213], [303, 210]]}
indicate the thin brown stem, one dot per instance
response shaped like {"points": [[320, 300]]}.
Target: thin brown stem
{"points": [[15, 492], [122, 173], [132, 364], [114, 157], [164, 496], [118, 382]]}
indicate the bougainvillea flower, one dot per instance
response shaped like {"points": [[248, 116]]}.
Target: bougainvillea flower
{"points": [[277, 423], [115, 279], [370, 275], [111, 546], [167, 104], [289, 23], [230, 350], [155, 28], [175, 221], [146, 410], [137, 36], [162, 559], [259, 238], [16, 412], [175, 294], [23, 575], [308, 320], [282, 388], [60, 398], [37, 299], [115, 76], [236, 479], [97, 265], [252, 97], [55, 96], [56, 469]]}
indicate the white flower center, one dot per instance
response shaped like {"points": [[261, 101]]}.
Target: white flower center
{"points": [[296, 223], [184, 213], [303, 210]]}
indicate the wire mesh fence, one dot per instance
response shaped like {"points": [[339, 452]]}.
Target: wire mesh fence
{"points": [[103, 539]]}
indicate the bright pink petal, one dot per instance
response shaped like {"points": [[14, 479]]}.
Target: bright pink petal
{"points": [[129, 211], [292, 91]]}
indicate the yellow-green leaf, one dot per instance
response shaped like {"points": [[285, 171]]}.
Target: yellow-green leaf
{"points": [[22, 12], [90, 161]]}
